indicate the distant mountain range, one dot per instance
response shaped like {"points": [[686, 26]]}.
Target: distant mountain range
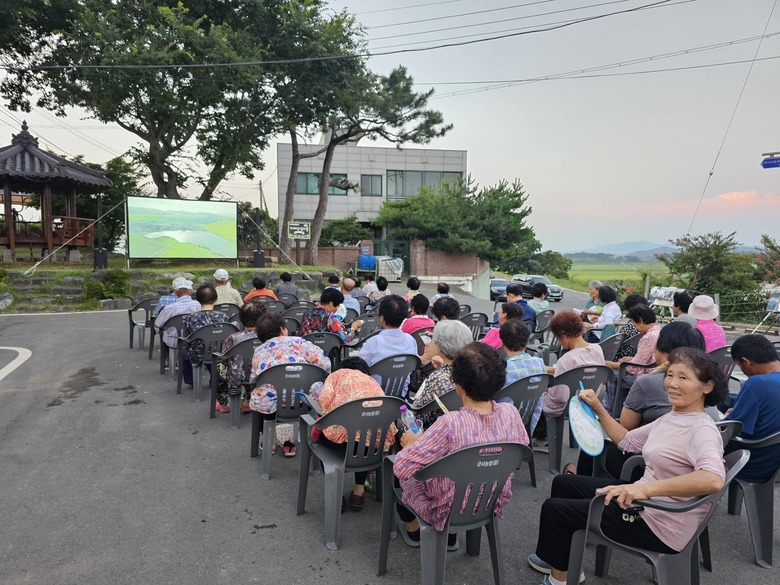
{"points": [[642, 249]]}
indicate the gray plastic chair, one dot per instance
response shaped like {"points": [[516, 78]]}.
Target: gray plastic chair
{"points": [[670, 569], [489, 465], [230, 309], [273, 306], [213, 336], [140, 322], [361, 418], [370, 324], [525, 393], [610, 345], [450, 400], [287, 379], [419, 337], [475, 322], [542, 324], [330, 343], [292, 325], [245, 349], [177, 322], [296, 313], [759, 502], [394, 371], [351, 316], [621, 388], [289, 298], [592, 377], [464, 310], [363, 302], [632, 343]]}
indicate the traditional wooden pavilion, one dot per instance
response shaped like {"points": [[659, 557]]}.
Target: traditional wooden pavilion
{"points": [[24, 169]]}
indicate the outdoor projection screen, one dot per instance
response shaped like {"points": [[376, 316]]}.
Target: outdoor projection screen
{"points": [[178, 228]]}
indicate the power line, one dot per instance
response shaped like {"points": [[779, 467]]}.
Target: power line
{"points": [[19, 122], [339, 57], [78, 134], [731, 120], [407, 7], [486, 11]]}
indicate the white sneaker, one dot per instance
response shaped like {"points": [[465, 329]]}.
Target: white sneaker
{"points": [[538, 564], [540, 445]]}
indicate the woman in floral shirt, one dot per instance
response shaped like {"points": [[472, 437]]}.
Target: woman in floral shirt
{"points": [[278, 348]]}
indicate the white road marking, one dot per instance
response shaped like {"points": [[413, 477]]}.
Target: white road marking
{"points": [[23, 355]]}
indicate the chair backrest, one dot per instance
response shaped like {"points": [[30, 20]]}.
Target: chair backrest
{"points": [[177, 322], [296, 313], [306, 304], [363, 302], [543, 321], [367, 422], [592, 377], [631, 342], [475, 322], [525, 392], [610, 345], [245, 349], [147, 306], [287, 298], [230, 309], [351, 315], [213, 336], [273, 306], [479, 473], [370, 324], [328, 342], [608, 331], [728, 429], [450, 400], [420, 337], [287, 379], [292, 324], [722, 356], [394, 371], [464, 310]]}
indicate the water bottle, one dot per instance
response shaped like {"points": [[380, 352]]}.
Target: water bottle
{"points": [[409, 420]]}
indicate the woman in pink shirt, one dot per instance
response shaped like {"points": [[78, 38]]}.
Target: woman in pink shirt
{"points": [[705, 311], [683, 453]]}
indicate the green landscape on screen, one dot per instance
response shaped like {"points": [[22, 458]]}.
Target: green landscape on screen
{"points": [[178, 228]]}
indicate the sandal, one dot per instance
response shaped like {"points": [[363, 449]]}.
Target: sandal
{"points": [[289, 449], [220, 408], [569, 469]]}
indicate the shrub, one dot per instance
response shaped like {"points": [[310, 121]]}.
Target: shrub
{"points": [[115, 284]]}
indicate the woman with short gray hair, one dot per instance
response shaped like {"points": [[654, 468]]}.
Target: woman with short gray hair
{"points": [[451, 337], [592, 310]]}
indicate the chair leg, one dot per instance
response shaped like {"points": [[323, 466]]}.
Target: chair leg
{"points": [[378, 485], [496, 555], [213, 399], [603, 557], [704, 545], [132, 332], [387, 518], [179, 372], [555, 442], [304, 452], [334, 489], [473, 541], [163, 356], [235, 411], [433, 554], [760, 508], [254, 439], [532, 470], [152, 334], [197, 380], [576, 554], [269, 434], [141, 336], [735, 498]]}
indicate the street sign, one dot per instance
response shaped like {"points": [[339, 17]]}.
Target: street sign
{"points": [[771, 163], [299, 230]]}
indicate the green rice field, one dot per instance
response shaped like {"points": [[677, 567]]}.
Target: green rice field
{"points": [[580, 274]]}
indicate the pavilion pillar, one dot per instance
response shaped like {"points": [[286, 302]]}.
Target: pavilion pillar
{"points": [[9, 253], [48, 220], [73, 254]]}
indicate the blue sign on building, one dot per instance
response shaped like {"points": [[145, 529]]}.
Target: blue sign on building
{"points": [[771, 163]]}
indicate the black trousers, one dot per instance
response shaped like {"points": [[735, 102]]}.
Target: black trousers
{"points": [[615, 458], [566, 512]]}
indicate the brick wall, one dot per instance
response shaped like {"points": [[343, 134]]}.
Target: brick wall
{"points": [[424, 262]]}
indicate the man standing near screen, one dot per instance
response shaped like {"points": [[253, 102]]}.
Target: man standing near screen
{"points": [[225, 292]]}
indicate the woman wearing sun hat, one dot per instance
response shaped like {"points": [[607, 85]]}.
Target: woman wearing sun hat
{"points": [[705, 311]]}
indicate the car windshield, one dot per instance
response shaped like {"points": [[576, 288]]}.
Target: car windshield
{"points": [[543, 280], [498, 282]]}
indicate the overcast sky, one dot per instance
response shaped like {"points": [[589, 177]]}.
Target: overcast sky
{"points": [[607, 156]]}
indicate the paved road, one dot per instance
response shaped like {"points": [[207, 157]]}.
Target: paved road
{"points": [[108, 477]]}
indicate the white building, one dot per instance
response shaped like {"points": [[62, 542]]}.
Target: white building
{"points": [[382, 173]]}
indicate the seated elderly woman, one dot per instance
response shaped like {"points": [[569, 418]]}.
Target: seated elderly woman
{"points": [[277, 348], [350, 382], [647, 400], [451, 337], [478, 373], [323, 317], [507, 311], [443, 309], [231, 374], [193, 353], [593, 307], [567, 328], [684, 455], [629, 330], [610, 312]]}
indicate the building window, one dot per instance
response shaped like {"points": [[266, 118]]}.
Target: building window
{"points": [[371, 185], [309, 184], [402, 184]]}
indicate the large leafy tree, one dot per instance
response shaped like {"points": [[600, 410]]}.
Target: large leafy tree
{"points": [[709, 263], [220, 116], [768, 260], [345, 232], [374, 107], [489, 222]]}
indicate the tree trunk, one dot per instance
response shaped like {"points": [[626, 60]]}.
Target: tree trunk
{"points": [[163, 175], [289, 196], [322, 206]]}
